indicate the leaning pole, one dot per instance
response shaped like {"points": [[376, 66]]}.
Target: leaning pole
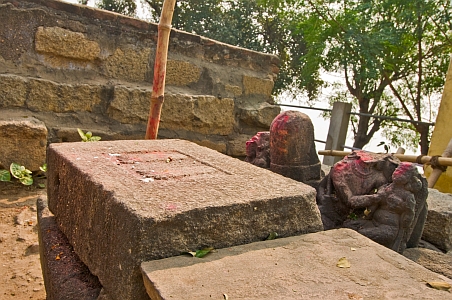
{"points": [[161, 56]]}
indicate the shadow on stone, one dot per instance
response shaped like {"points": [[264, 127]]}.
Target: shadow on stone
{"points": [[65, 275]]}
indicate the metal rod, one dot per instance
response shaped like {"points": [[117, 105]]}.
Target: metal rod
{"points": [[361, 114], [443, 161], [392, 118], [306, 107]]}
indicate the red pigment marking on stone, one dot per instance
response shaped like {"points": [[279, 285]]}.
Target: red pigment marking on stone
{"points": [[340, 166], [171, 206], [364, 156], [402, 168]]}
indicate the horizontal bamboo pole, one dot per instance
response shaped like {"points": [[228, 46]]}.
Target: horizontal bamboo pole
{"points": [[443, 161]]}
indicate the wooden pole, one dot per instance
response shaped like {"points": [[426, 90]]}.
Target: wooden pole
{"points": [[433, 178], [161, 56], [443, 161]]}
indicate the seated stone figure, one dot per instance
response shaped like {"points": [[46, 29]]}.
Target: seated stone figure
{"points": [[359, 173], [376, 195], [390, 213]]}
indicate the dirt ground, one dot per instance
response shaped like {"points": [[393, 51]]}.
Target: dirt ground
{"points": [[20, 271]]}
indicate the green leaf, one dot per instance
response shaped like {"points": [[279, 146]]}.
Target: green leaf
{"points": [[88, 135], [5, 175], [43, 168], [201, 253], [272, 236], [16, 170], [82, 135], [41, 185], [26, 180], [95, 139]]}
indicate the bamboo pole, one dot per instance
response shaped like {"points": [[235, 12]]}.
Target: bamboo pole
{"points": [[433, 178], [443, 161], [161, 56]]}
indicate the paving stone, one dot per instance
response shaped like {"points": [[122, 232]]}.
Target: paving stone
{"points": [[435, 261], [301, 267], [438, 226], [120, 203]]}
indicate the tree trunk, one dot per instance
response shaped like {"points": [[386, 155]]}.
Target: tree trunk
{"points": [[423, 130]]}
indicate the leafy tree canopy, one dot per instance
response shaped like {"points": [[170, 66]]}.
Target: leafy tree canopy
{"points": [[393, 56]]}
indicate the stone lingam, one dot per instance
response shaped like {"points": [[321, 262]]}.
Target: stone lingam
{"points": [[287, 149], [376, 195]]}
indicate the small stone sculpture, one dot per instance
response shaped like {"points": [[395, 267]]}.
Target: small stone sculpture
{"points": [[258, 150], [376, 195], [292, 148], [288, 149]]}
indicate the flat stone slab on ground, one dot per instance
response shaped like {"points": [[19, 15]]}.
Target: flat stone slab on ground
{"points": [[120, 203], [301, 267]]}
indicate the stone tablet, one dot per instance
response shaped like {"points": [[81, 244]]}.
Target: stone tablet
{"points": [[301, 267], [124, 202]]}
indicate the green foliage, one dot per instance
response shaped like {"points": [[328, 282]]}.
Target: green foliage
{"points": [[272, 236], [21, 173], [393, 56], [201, 252], [261, 25], [352, 216], [5, 175], [88, 137], [125, 7]]}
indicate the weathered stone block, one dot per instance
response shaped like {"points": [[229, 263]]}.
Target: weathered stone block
{"points": [[22, 141], [254, 85], [65, 43], [201, 114], [129, 105], [301, 267], [237, 146], [129, 64], [438, 227], [181, 73], [233, 90], [435, 261], [218, 146], [13, 91], [261, 114], [49, 96], [121, 203]]}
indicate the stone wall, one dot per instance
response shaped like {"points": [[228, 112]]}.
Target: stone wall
{"points": [[73, 66]]}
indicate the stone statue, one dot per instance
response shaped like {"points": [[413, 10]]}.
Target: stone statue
{"points": [[376, 195], [287, 149], [258, 150], [292, 148]]}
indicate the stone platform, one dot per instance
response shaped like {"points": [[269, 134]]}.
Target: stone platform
{"points": [[121, 203], [302, 267]]}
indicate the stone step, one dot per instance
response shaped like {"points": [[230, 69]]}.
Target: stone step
{"points": [[120, 203], [301, 267]]}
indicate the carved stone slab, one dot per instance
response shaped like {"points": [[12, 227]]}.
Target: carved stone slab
{"points": [[124, 202]]}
